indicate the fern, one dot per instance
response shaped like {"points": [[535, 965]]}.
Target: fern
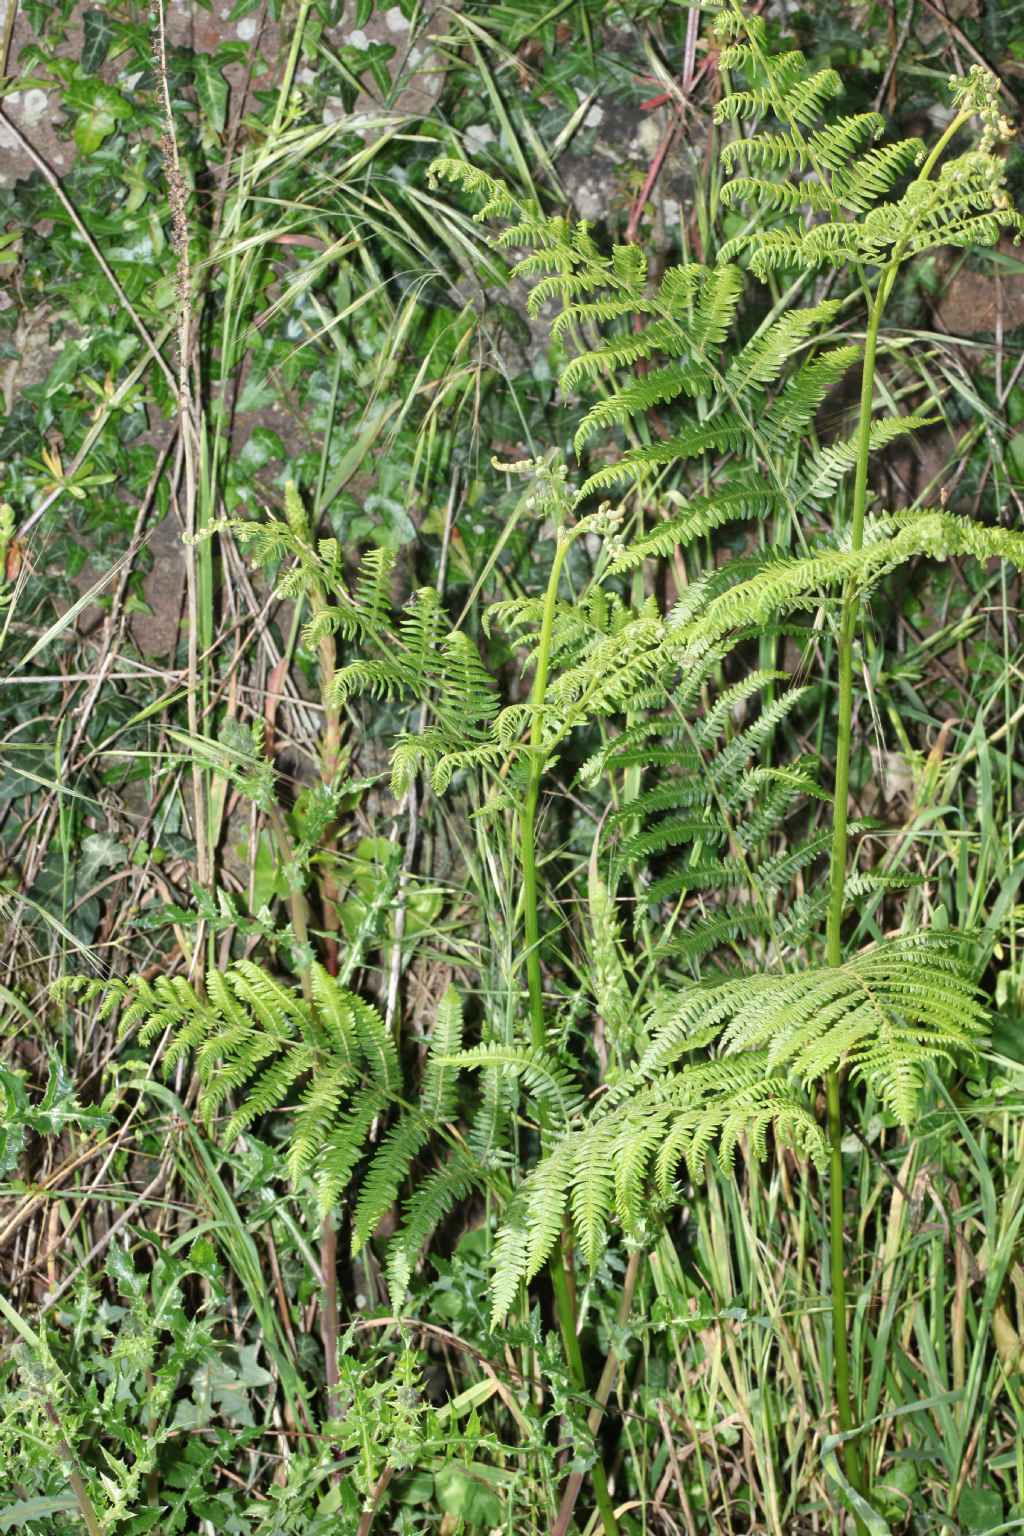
{"points": [[264, 1044], [823, 194]]}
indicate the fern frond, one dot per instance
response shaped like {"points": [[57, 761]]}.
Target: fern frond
{"points": [[433, 1199], [861, 180], [622, 351], [702, 875], [766, 354], [509, 1262], [778, 196], [437, 1092], [794, 409], [315, 1117], [716, 308], [725, 433], [592, 1180], [545, 1078], [378, 1046], [343, 1147], [744, 501], [838, 145], [269, 1090], [660, 386], [772, 151], [388, 1170], [859, 1015], [335, 1013], [804, 100]]}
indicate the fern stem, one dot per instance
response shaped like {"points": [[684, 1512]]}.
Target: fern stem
{"points": [[566, 1309], [528, 845], [849, 615], [565, 1306], [601, 1396], [297, 905]]}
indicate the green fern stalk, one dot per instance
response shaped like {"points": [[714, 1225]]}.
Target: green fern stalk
{"points": [[849, 615], [528, 826], [558, 1267]]}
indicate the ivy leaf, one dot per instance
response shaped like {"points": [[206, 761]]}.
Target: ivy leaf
{"points": [[101, 110], [98, 37], [99, 851], [211, 90], [19, 433], [261, 446]]}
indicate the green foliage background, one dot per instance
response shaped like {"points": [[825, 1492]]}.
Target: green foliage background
{"points": [[313, 795]]}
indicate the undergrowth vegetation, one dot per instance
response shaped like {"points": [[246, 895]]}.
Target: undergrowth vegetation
{"points": [[514, 1013]]}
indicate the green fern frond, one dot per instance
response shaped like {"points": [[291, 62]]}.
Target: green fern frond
{"points": [[269, 1090], [703, 937], [623, 351], [378, 1046], [509, 1262], [430, 1203], [778, 196], [592, 1189], [437, 1091], [744, 501], [335, 1015], [792, 412], [344, 1146], [498, 201], [771, 151], [544, 1077], [831, 464], [859, 1015], [316, 1115], [838, 145], [660, 386], [861, 180], [726, 433], [805, 100], [388, 1170], [702, 875], [772, 349]]}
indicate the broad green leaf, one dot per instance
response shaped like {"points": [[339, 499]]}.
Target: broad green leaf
{"points": [[211, 90], [468, 1494], [19, 432], [91, 128], [980, 1510], [98, 36]]}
